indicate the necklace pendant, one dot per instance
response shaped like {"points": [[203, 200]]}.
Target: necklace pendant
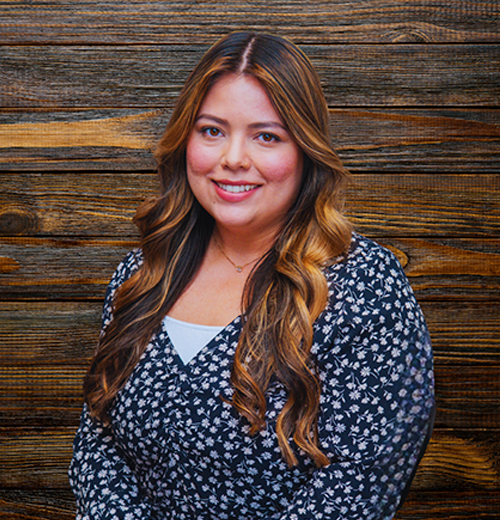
{"points": [[239, 268]]}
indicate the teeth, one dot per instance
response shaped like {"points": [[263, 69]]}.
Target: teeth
{"points": [[236, 189]]}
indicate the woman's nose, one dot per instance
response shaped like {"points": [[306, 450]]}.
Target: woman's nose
{"points": [[236, 155]]}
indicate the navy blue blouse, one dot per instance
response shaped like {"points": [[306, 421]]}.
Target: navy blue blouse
{"points": [[176, 450]]}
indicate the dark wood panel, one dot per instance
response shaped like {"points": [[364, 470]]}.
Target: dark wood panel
{"points": [[44, 504], [404, 140], [37, 459], [44, 396], [152, 75], [49, 333], [65, 333], [200, 21], [464, 504], [378, 204], [72, 268], [79, 269]]}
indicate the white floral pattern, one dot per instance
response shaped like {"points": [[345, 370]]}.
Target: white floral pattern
{"points": [[176, 450]]}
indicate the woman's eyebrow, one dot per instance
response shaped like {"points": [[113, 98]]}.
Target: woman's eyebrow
{"points": [[215, 119], [267, 124]]}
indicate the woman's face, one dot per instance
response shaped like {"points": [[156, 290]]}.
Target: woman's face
{"points": [[242, 164]]}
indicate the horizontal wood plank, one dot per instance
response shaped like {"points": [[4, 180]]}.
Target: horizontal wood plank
{"points": [[152, 75], [44, 396], [378, 204], [176, 22], [77, 204], [463, 504], [37, 459], [37, 504], [80, 269], [52, 334], [393, 140]]}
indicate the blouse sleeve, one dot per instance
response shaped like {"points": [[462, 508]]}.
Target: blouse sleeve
{"points": [[377, 401], [103, 482]]}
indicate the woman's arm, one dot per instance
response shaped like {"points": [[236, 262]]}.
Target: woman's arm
{"points": [[377, 399], [104, 484]]}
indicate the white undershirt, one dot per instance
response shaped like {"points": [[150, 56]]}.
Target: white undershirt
{"points": [[189, 338]]}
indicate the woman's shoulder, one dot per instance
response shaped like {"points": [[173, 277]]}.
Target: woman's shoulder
{"points": [[366, 258], [130, 263], [370, 277]]}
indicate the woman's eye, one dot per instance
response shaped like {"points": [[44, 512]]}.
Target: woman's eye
{"points": [[268, 138], [211, 131]]}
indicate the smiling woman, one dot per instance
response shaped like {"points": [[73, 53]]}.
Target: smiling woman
{"points": [[247, 170], [258, 360]]}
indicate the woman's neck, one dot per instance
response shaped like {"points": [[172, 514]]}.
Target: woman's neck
{"points": [[242, 248]]}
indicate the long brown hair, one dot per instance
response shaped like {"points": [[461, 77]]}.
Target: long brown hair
{"points": [[286, 291]]}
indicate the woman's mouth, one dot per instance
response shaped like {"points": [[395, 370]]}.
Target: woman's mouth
{"points": [[236, 188]]}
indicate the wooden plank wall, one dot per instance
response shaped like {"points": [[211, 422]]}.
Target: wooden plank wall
{"points": [[85, 90]]}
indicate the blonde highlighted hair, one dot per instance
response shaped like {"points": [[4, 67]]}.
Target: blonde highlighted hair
{"points": [[286, 291]]}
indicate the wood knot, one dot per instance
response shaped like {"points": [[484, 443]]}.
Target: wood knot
{"points": [[7, 265], [406, 33], [17, 221]]}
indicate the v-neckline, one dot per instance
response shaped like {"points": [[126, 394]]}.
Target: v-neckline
{"points": [[210, 346]]}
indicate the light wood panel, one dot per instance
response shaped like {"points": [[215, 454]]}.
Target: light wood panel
{"points": [[390, 140]]}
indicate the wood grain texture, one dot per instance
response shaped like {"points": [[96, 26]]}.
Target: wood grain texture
{"points": [[65, 333], [205, 21], [392, 140], [44, 504], [39, 459], [80, 269], [152, 75], [103, 204], [464, 504], [87, 88]]}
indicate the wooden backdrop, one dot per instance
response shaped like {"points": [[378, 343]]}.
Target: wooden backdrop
{"points": [[86, 88]]}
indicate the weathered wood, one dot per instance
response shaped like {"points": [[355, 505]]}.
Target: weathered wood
{"points": [[44, 504], [46, 333], [65, 333], [463, 504], [396, 140], [379, 204], [81, 268], [177, 22], [38, 459], [151, 76], [41, 395]]}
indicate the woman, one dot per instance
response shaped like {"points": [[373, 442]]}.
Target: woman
{"points": [[258, 360]]}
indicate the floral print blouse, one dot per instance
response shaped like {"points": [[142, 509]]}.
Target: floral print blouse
{"points": [[175, 448]]}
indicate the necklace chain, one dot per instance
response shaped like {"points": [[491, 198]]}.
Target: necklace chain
{"points": [[239, 268]]}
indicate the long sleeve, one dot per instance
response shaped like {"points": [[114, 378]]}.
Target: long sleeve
{"points": [[377, 402], [105, 486], [103, 482]]}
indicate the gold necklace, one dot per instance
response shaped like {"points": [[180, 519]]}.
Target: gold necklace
{"points": [[238, 268]]}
